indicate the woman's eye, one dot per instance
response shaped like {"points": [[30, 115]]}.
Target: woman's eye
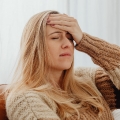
{"points": [[56, 38]]}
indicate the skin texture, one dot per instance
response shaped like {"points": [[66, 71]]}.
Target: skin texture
{"points": [[61, 31], [61, 49]]}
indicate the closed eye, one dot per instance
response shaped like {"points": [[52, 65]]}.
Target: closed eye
{"points": [[56, 38]]}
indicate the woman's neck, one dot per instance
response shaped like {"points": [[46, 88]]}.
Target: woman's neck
{"points": [[55, 77]]}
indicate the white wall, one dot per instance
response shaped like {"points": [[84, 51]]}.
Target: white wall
{"points": [[96, 17]]}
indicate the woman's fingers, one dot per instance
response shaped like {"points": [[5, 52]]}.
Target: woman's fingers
{"points": [[61, 27], [63, 20], [66, 23], [60, 22], [54, 15], [60, 17]]}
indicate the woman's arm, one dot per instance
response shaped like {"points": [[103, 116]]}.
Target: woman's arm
{"points": [[107, 56], [104, 54]]}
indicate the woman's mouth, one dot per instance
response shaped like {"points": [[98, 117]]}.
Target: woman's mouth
{"points": [[65, 54]]}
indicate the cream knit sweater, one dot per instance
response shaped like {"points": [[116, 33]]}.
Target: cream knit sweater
{"points": [[34, 105]]}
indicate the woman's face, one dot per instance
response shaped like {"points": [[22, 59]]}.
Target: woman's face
{"points": [[61, 48]]}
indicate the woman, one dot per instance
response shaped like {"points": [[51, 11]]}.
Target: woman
{"points": [[45, 87]]}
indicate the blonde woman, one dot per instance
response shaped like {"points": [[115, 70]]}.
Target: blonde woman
{"points": [[45, 86]]}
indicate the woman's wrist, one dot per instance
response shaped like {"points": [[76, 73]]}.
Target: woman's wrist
{"points": [[80, 38]]}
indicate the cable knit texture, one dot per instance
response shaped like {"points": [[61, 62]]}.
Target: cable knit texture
{"points": [[104, 54], [34, 105], [106, 87], [31, 106]]}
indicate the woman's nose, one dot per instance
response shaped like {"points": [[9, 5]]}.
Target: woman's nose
{"points": [[66, 43]]}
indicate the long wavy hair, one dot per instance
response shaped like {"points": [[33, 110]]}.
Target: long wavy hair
{"points": [[72, 93]]}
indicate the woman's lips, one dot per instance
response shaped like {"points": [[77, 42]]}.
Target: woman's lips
{"points": [[65, 54]]}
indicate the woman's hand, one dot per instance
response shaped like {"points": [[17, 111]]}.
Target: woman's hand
{"points": [[66, 23]]}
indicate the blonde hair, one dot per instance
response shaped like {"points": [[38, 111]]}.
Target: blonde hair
{"points": [[32, 68]]}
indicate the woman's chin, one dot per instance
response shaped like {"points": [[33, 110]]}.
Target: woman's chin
{"points": [[66, 67], [62, 66]]}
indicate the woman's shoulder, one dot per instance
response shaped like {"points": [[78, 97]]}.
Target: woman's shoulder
{"points": [[29, 96], [24, 95], [86, 73], [32, 103]]}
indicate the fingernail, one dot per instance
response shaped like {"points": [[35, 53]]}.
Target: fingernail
{"points": [[52, 24], [48, 21]]}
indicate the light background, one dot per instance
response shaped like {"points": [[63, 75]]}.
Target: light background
{"points": [[97, 17]]}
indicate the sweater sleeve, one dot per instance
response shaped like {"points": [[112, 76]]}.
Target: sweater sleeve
{"points": [[104, 54], [29, 106], [107, 76]]}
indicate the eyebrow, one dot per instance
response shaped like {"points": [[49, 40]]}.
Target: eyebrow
{"points": [[54, 32]]}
